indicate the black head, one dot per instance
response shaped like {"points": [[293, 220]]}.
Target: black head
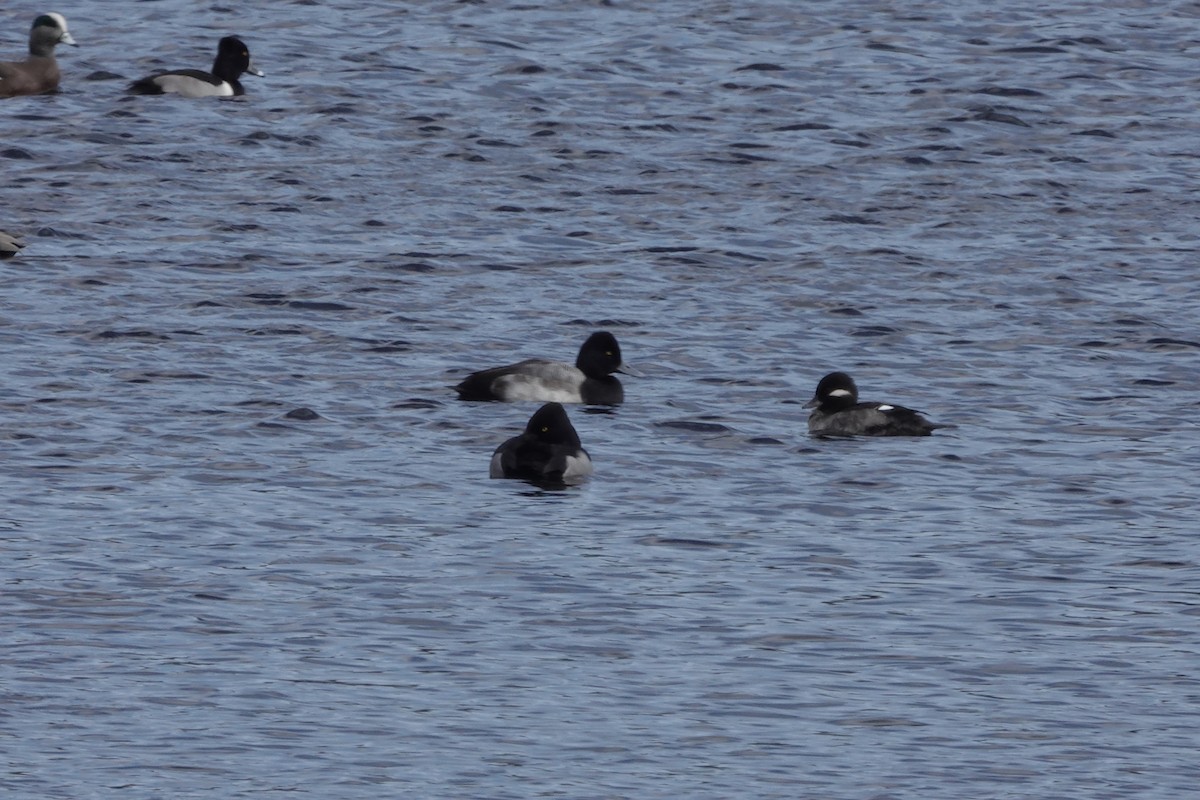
{"points": [[551, 425], [233, 47], [600, 355], [233, 58], [836, 390]]}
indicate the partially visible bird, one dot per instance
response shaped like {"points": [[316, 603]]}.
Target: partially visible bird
{"points": [[9, 245]]}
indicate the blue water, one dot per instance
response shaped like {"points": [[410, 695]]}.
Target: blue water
{"points": [[987, 213]]}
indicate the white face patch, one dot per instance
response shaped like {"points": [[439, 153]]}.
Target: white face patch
{"points": [[839, 393]]}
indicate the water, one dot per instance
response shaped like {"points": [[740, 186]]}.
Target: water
{"points": [[985, 213]]}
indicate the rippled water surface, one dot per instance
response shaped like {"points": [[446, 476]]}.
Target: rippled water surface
{"points": [[251, 547]]}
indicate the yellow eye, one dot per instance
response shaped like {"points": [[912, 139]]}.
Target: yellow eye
{"points": [[545, 429]]}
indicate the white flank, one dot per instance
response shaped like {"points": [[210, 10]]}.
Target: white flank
{"points": [[548, 383], [577, 467], [188, 86]]}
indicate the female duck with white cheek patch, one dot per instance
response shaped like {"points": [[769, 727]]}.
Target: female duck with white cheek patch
{"points": [[548, 452], [536, 379], [838, 413], [233, 59]]}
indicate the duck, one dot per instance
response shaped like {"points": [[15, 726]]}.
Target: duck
{"points": [[9, 245], [590, 381], [233, 59], [838, 413], [548, 452], [37, 74]]}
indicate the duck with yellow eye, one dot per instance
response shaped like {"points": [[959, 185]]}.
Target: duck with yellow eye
{"points": [[590, 381], [233, 59], [548, 452]]}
